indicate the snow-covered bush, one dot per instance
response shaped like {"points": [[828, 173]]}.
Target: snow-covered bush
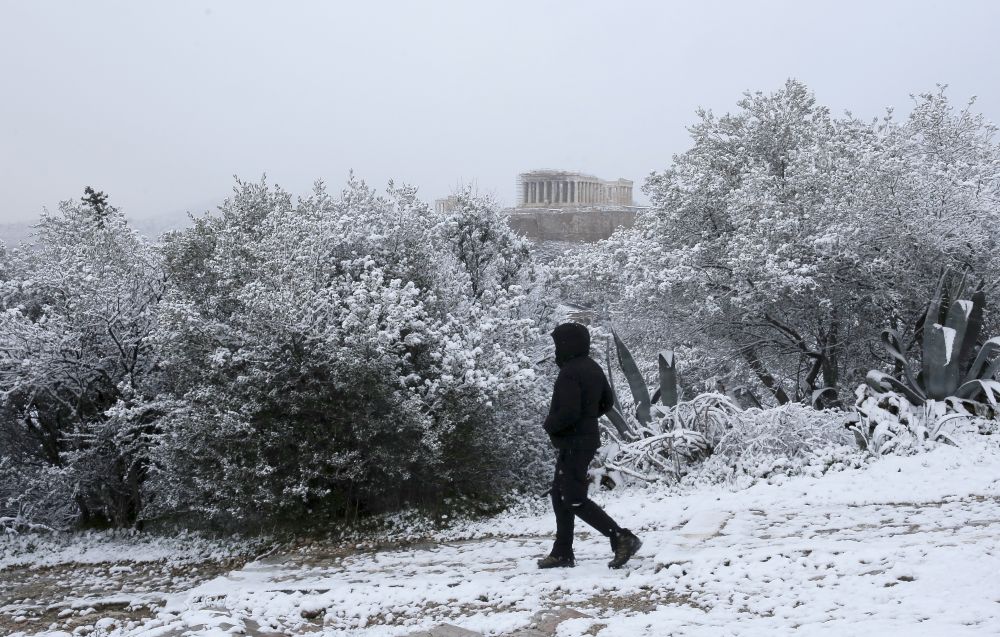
{"points": [[752, 441], [35, 498], [337, 355], [670, 442], [750, 470], [946, 371], [946, 346], [889, 423], [779, 442], [77, 310], [788, 431]]}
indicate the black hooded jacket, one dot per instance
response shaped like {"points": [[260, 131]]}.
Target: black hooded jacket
{"points": [[581, 394]]}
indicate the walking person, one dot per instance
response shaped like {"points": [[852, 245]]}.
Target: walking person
{"points": [[581, 395]]}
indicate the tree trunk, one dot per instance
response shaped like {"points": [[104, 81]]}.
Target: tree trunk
{"points": [[831, 366], [749, 354]]}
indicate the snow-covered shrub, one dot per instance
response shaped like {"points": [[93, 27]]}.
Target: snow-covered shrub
{"points": [[753, 441], [779, 442], [77, 310], [475, 230], [34, 498], [333, 355], [946, 347], [787, 431], [888, 422], [675, 438], [749, 470], [945, 372]]}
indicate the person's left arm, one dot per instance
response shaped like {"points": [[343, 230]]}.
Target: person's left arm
{"points": [[566, 406]]}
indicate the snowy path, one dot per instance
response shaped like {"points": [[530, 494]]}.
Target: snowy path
{"points": [[906, 546]]}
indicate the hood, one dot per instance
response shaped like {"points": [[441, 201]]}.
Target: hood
{"points": [[572, 341]]}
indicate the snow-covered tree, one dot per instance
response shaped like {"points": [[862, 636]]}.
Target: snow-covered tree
{"points": [[475, 230], [785, 239], [76, 363]]}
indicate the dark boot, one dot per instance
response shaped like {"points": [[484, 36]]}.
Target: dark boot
{"points": [[554, 561], [626, 545]]}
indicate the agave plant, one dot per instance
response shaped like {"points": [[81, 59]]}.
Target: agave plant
{"points": [[953, 364], [666, 393]]}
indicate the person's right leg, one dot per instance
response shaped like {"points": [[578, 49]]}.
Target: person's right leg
{"points": [[564, 514], [577, 462], [624, 543]]}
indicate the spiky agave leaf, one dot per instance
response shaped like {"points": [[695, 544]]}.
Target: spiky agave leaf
{"points": [[882, 383], [618, 420], [640, 393], [971, 340], [938, 343], [992, 371], [989, 348], [615, 415], [930, 319], [818, 394], [989, 388], [892, 341], [955, 328], [668, 378]]}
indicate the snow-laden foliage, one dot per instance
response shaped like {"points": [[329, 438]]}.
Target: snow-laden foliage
{"points": [[35, 497], [713, 426], [788, 431], [338, 354], [888, 423], [675, 437], [282, 359], [785, 239], [77, 368]]}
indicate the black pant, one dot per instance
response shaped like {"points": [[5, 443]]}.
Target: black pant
{"points": [[569, 500]]}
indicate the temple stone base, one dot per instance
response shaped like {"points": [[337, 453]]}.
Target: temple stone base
{"points": [[584, 225]]}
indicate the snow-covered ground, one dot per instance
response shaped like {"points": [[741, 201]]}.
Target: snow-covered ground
{"points": [[904, 546]]}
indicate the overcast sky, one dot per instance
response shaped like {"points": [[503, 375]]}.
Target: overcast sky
{"points": [[161, 103]]}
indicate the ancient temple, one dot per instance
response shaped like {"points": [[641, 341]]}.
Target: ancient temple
{"points": [[563, 206], [564, 189]]}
